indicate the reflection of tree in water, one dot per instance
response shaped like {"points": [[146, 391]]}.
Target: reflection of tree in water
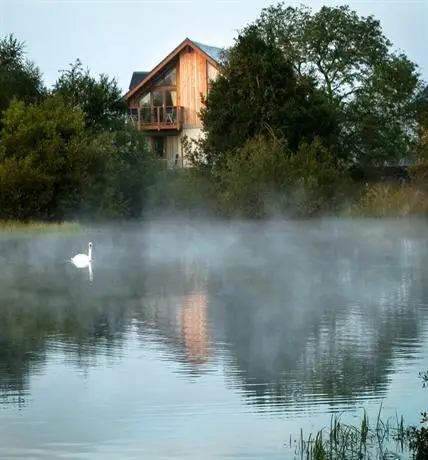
{"points": [[325, 322], [314, 318], [46, 307]]}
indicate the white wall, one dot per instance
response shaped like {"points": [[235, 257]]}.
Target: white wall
{"points": [[191, 133]]}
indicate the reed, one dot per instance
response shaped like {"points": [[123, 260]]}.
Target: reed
{"points": [[392, 200], [340, 441]]}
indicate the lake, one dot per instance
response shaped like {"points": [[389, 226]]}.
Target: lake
{"points": [[208, 340]]}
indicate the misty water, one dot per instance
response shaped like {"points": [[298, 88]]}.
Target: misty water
{"points": [[206, 339]]}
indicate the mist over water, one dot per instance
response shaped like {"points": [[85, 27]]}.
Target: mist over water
{"points": [[205, 337]]}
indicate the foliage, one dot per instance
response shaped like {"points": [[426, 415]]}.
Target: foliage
{"points": [[347, 442], [349, 57], [52, 168], [100, 100], [185, 192], [422, 120], [334, 45], [265, 176], [392, 200], [380, 122], [418, 437], [259, 93], [19, 77]]}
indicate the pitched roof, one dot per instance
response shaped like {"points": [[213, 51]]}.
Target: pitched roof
{"points": [[137, 76], [212, 52]]}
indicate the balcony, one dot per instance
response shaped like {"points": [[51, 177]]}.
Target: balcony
{"points": [[157, 118]]}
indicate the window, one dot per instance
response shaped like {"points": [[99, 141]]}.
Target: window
{"points": [[159, 105], [168, 79], [159, 146], [170, 98], [145, 100]]}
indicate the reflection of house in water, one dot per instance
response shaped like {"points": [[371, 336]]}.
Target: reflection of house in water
{"points": [[174, 312], [194, 328]]}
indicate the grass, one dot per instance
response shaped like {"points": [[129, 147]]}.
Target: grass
{"points": [[32, 227], [346, 442], [392, 200]]}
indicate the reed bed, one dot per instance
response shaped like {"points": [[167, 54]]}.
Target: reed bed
{"points": [[341, 441]]}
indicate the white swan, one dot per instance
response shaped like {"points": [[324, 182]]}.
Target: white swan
{"points": [[83, 260]]}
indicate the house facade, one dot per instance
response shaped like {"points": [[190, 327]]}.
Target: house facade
{"points": [[165, 102]]}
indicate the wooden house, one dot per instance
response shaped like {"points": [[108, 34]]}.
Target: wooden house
{"points": [[165, 101]]}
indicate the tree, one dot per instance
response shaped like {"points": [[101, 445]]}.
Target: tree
{"points": [[265, 176], [380, 122], [422, 120], [100, 100], [349, 58], [51, 167], [19, 77], [35, 166], [259, 94]]}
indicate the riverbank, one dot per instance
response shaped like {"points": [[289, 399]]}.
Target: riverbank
{"points": [[35, 227], [190, 193]]}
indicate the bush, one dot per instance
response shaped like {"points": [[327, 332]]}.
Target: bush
{"points": [[25, 190], [392, 200], [184, 191], [264, 177], [51, 167]]}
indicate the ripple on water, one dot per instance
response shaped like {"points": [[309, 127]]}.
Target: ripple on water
{"points": [[223, 344]]}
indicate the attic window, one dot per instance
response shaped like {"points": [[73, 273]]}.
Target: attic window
{"points": [[168, 79]]}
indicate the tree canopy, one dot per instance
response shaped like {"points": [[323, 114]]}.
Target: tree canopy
{"points": [[259, 93], [19, 77], [66, 152], [371, 87], [100, 100]]}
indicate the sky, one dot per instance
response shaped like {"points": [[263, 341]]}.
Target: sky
{"points": [[117, 37]]}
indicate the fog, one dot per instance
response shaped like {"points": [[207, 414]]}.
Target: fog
{"points": [[291, 307]]}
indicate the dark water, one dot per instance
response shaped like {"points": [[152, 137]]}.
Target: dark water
{"points": [[206, 340]]}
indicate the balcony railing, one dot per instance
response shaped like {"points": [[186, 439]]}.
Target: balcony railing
{"points": [[157, 118]]}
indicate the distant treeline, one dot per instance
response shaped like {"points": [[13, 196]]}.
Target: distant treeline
{"points": [[320, 111]]}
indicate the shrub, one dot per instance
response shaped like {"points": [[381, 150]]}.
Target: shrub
{"points": [[264, 177], [392, 200]]}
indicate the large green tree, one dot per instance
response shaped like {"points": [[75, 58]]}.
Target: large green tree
{"points": [[99, 99], [422, 119], [52, 167], [348, 56], [259, 93], [19, 77]]}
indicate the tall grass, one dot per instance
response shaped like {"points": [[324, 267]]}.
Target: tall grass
{"points": [[392, 200], [8, 226], [340, 441]]}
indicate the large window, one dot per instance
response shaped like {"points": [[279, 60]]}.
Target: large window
{"points": [[157, 99], [168, 79], [157, 106]]}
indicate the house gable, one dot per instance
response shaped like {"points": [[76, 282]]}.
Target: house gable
{"points": [[212, 54]]}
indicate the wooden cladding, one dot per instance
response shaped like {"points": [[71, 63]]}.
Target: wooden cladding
{"points": [[193, 82], [179, 86]]}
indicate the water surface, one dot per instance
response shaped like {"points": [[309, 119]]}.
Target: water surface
{"points": [[205, 338]]}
